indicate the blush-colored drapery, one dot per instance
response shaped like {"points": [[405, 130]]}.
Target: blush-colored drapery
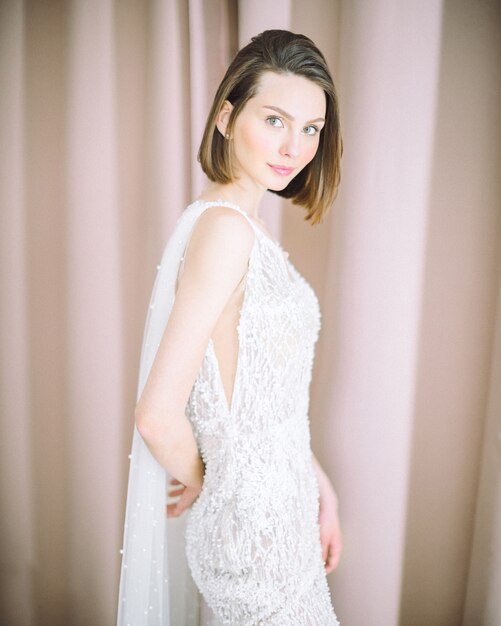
{"points": [[102, 108]]}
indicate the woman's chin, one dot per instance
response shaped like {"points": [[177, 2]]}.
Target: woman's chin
{"points": [[278, 185]]}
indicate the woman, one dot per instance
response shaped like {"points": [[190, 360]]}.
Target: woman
{"points": [[226, 367]]}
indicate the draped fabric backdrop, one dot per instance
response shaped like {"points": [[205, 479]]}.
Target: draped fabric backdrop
{"points": [[101, 112]]}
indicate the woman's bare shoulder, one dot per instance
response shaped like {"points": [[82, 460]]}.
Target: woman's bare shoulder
{"points": [[223, 233], [220, 245], [223, 220]]}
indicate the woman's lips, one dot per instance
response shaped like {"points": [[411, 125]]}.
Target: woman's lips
{"points": [[281, 170]]}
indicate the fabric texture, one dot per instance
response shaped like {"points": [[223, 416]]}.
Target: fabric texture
{"points": [[250, 543]]}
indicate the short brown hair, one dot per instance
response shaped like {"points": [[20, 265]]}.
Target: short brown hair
{"points": [[279, 51]]}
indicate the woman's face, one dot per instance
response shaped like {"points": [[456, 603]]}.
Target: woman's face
{"points": [[277, 132]]}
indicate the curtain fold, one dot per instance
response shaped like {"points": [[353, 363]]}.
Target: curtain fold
{"points": [[17, 492], [95, 316]]}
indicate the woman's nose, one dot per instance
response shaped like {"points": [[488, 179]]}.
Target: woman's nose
{"points": [[290, 147]]}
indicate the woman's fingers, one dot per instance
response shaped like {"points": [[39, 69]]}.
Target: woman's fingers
{"points": [[327, 556], [171, 510], [175, 491], [329, 562], [175, 509], [186, 499], [334, 554]]}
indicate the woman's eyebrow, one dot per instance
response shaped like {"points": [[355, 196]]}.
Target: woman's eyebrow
{"points": [[288, 115]]}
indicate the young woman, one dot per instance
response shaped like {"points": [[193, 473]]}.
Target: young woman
{"points": [[226, 364]]}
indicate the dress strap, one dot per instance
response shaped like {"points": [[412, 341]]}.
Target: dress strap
{"points": [[260, 233], [231, 205]]}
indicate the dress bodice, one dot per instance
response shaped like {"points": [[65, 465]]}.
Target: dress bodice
{"points": [[277, 330]]}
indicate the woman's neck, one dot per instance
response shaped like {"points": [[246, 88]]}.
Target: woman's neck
{"points": [[248, 199]]}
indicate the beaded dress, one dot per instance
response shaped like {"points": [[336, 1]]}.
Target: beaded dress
{"points": [[252, 539]]}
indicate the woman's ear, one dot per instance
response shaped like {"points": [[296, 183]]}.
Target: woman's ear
{"points": [[224, 117]]}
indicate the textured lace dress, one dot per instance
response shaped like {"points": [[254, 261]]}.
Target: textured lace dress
{"points": [[252, 536]]}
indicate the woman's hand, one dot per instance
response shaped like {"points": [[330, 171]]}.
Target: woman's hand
{"points": [[330, 531], [188, 495], [328, 519]]}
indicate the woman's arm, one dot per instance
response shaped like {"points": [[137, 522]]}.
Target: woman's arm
{"points": [[215, 262], [328, 497], [328, 519]]}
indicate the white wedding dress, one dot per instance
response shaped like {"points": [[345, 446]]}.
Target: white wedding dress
{"points": [[252, 536]]}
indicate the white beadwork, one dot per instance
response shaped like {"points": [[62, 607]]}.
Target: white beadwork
{"points": [[252, 536]]}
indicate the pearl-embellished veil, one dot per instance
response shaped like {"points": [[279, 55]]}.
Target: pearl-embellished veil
{"points": [[156, 587]]}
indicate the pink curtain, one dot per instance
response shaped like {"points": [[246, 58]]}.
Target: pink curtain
{"points": [[102, 108]]}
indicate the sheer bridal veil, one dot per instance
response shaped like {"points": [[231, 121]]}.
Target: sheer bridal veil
{"points": [[156, 587]]}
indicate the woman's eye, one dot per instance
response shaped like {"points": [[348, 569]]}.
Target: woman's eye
{"points": [[274, 121], [311, 130]]}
